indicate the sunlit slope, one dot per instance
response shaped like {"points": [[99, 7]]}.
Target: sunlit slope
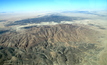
{"points": [[64, 44]]}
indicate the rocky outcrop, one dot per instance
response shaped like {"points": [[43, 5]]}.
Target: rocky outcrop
{"points": [[63, 44]]}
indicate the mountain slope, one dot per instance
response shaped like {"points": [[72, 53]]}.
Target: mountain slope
{"points": [[63, 44]]}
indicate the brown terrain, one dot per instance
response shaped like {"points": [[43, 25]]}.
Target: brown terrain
{"points": [[62, 44]]}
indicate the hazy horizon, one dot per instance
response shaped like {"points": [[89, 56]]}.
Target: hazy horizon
{"points": [[12, 6]]}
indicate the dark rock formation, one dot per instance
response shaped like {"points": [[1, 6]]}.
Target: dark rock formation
{"points": [[47, 18]]}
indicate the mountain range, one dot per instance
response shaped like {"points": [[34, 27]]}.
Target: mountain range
{"points": [[62, 44]]}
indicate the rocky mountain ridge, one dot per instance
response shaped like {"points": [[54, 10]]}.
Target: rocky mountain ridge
{"points": [[62, 44]]}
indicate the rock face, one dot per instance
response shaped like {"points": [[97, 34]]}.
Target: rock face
{"points": [[63, 44]]}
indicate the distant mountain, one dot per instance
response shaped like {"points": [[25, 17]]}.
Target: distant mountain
{"points": [[2, 20], [63, 44], [3, 31], [47, 18], [84, 12]]}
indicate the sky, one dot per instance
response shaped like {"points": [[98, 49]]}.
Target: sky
{"points": [[51, 5]]}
